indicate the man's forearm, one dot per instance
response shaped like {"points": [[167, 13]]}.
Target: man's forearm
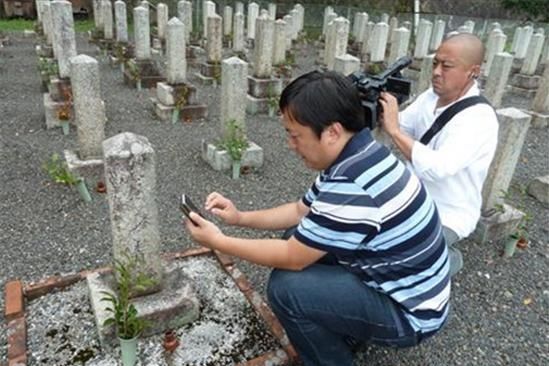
{"points": [[404, 143], [276, 218]]}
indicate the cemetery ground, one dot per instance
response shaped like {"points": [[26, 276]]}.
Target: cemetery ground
{"points": [[499, 313]]}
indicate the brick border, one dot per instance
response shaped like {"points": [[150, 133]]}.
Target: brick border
{"points": [[15, 293]]}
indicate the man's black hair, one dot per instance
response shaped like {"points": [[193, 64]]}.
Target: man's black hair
{"points": [[318, 99]]}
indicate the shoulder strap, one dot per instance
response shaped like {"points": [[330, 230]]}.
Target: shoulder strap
{"points": [[448, 114]]}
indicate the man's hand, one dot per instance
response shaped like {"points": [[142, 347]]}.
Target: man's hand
{"points": [[204, 232], [223, 208], [390, 113]]}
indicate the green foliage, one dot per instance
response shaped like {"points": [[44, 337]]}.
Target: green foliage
{"points": [[47, 67], [58, 171], [532, 9], [19, 25], [124, 315], [235, 143]]}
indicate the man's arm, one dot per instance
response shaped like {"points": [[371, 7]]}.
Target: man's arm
{"points": [[391, 125], [276, 218], [285, 254]]}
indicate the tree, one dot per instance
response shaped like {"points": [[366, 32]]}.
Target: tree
{"points": [[533, 9]]}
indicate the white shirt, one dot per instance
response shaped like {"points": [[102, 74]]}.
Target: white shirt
{"points": [[454, 165]]}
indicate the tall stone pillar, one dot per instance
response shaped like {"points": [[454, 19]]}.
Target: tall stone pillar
{"points": [[496, 43], [234, 73], [176, 62], [106, 9], [423, 38], [279, 49], [142, 33], [185, 14], [513, 126], [399, 45], [378, 43], [437, 35], [238, 33], [121, 21], [89, 108], [63, 27], [263, 48], [227, 20], [497, 80], [253, 13], [161, 19]]}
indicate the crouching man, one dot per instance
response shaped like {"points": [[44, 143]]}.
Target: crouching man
{"points": [[368, 259]]}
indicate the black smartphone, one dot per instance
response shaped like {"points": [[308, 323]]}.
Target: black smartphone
{"points": [[186, 205]]}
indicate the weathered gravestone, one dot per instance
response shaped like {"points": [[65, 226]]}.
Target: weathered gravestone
{"points": [[170, 301], [232, 116], [176, 98]]}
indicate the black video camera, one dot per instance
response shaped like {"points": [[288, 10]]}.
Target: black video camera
{"points": [[370, 87]]}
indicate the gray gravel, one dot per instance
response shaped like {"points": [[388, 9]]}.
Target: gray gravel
{"points": [[500, 306]]}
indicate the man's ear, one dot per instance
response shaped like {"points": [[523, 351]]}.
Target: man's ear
{"points": [[334, 132]]}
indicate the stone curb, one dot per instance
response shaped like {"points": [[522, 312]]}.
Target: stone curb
{"points": [[16, 292]]}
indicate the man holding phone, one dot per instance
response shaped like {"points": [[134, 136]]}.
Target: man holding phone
{"points": [[368, 259]]}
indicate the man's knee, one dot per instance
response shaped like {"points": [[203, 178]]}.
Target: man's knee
{"points": [[283, 286]]}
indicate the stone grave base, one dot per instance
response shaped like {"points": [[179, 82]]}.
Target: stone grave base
{"points": [[44, 50], [106, 45], [165, 100], [521, 92], [187, 113], [92, 170], [539, 120], [525, 81], [219, 159], [95, 35], [416, 64], [58, 89], [259, 105], [516, 65], [539, 189], [172, 307], [209, 73], [498, 225], [51, 108], [264, 88], [143, 72], [411, 74], [236, 326]]}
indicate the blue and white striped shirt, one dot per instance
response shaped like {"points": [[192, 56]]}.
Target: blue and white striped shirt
{"points": [[374, 215]]}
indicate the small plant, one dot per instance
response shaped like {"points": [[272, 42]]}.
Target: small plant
{"points": [[59, 172], [129, 280], [47, 67], [235, 142]]}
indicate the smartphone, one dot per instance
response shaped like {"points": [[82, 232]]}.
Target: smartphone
{"points": [[186, 205]]}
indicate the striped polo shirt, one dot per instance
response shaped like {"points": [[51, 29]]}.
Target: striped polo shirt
{"points": [[375, 216]]}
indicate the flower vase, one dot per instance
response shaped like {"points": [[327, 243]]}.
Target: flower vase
{"points": [[236, 169], [138, 84], [271, 111], [66, 127], [175, 115], [510, 246], [128, 348], [83, 190], [122, 67]]}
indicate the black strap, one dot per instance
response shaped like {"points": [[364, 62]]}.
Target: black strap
{"points": [[448, 114]]}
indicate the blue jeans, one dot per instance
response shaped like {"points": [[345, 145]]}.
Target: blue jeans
{"points": [[323, 305]]}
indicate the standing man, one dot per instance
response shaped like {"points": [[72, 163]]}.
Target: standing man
{"points": [[368, 259], [454, 163]]}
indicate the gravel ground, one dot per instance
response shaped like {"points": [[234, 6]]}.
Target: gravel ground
{"points": [[500, 306]]}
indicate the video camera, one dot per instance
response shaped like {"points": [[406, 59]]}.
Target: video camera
{"points": [[370, 87]]}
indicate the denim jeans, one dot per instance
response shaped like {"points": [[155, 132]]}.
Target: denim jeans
{"points": [[323, 305], [454, 254]]}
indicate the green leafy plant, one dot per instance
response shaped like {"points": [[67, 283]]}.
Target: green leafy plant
{"points": [[129, 280], [235, 142], [59, 172], [47, 67]]}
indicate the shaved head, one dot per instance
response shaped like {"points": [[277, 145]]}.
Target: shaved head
{"points": [[471, 47]]}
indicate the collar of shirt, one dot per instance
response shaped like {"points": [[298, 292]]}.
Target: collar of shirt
{"points": [[357, 142], [433, 98]]}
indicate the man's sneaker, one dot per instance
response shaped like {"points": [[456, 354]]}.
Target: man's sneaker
{"points": [[456, 260]]}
